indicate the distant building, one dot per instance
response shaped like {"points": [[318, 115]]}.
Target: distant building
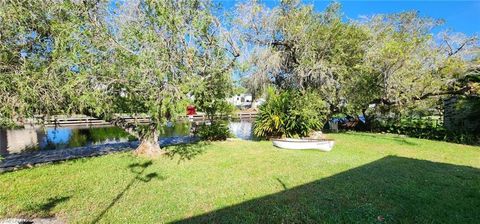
{"points": [[241, 100]]}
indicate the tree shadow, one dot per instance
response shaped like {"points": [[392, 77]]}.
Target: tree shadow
{"points": [[44, 209], [186, 151], [138, 169], [284, 186], [391, 189]]}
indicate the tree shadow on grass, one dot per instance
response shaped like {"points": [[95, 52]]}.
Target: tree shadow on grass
{"points": [[392, 190], [284, 186], [138, 169], [186, 151], [44, 209]]}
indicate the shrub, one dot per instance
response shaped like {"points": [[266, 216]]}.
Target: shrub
{"points": [[290, 113], [216, 131], [427, 129]]}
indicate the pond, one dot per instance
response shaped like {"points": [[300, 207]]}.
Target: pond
{"points": [[51, 138]]}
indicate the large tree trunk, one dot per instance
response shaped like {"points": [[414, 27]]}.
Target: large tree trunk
{"points": [[149, 145]]}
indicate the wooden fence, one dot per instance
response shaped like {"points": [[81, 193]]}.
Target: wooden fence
{"points": [[83, 120]]}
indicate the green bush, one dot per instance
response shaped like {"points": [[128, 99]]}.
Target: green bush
{"points": [[290, 114], [468, 110], [426, 129], [216, 131]]}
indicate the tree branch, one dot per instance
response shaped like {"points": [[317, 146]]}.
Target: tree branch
{"points": [[128, 127], [451, 92], [424, 96]]}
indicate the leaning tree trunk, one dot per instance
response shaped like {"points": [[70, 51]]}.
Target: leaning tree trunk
{"points": [[149, 145]]}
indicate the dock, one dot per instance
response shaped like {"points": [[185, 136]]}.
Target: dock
{"points": [[84, 120]]}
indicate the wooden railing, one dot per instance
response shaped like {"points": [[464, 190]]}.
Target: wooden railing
{"points": [[82, 120], [246, 115]]}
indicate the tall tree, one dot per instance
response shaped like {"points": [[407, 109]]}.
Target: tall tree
{"points": [[393, 62], [405, 64], [108, 59], [292, 46]]}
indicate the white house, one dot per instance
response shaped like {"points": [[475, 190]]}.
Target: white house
{"points": [[245, 100], [241, 100]]}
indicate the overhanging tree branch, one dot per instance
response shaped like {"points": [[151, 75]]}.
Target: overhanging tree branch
{"points": [[451, 92], [388, 102]]}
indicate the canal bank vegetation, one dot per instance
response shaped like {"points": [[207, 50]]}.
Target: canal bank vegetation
{"points": [[366, 178], [157, 57], [85, 57]]}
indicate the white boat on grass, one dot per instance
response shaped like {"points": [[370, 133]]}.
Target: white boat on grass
{"points": [[292, 143]]}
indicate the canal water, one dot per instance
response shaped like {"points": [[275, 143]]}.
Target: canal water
{"points": [[24, 140]]}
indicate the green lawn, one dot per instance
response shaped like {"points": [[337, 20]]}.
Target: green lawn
{"points": [[366, 178]]}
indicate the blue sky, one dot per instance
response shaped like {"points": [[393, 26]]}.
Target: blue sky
{"points": [[459, 16]]}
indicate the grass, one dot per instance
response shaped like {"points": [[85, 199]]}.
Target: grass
{"points": [[366, 178]]}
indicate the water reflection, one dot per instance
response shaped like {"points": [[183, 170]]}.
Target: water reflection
{"points": [[21, 140], [241, 129], [59, 138], [18, 140]]}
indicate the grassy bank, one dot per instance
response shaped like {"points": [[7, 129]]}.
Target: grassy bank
{"points": [[365, 178]]}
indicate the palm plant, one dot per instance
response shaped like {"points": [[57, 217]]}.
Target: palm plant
{"points": [[290, 113]]}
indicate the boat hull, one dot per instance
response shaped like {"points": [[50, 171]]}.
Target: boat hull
{"points": [[322, 145]]}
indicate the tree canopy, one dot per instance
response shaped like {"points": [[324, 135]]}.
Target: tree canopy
{"points": [[390, 61], [99, 59]]}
